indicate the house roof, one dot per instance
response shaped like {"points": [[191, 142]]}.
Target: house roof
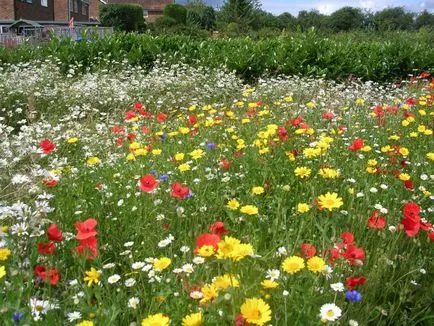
{"points": [[25, 22]]}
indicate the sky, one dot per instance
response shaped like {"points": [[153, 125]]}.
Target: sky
{"points": [[329, 6]]}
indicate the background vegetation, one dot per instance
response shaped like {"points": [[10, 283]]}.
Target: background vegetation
{"points": [[387, 56]]}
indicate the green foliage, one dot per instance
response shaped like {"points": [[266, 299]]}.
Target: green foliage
{"points": [[123, 17], [176, 12], [393, 19], [371, 56], [241, 12], [425, 19], [346, 19], [165, 22], [200, 16], [313, 18]]}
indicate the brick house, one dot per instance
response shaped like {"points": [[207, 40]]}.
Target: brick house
{"points": [[45, 11], [152, 9]]}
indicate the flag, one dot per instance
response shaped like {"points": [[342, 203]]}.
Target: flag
{"points": [[71, 23]]}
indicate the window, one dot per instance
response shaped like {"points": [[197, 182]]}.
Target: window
{"points": [[145, 13], [29, 1], [44, 3], [83, 9], [75, 6]]}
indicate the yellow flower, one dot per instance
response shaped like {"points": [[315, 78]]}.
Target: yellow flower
{"points": [[184, 167], [366, 148], [156, 151], [233, 249], [256, 311], [134, 145], [303, 208], [156, 320], [226, 281], [257, 190], [360, 101], [197, 154], [72, 140], [2, 271], [93, 161], [161, 263], [430, 156], [404, 151], [288, 99], [195, 319], [92, 276], [140, 152], [302, 172], [209, 292], [269, 284], [4, 253], [293, 264], [404, 177], [130, 157], [316, 264], [206, 251], [328, 173], [249, 210], [85, 323], [330, 201], [233, 204], [372, 162], [179, 156]]}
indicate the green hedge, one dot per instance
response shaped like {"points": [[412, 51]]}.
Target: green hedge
{"points": [[386, 57], [123, 17]]}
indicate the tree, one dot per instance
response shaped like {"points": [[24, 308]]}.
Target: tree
{"points": [[200, 15], [425, 19], [393, 19], [346, 19], [177, 12], [287, 21], [123, 17], [240, 12], [313, 18], [263, 19]]}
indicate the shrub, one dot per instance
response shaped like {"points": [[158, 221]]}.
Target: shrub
{"points": [[123, 17], [177, 12]]}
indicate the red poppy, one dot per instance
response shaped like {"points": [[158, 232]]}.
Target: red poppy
{"points": [[333, 254], [119, 142], [161, 117], [207, 239], [49, 182], [90, 245], [86, 229], [53, 276], [347, 238], [129, 115], [39, 271], [117, 129], [218, 228], [192, 119], [282, 133], [431, 235], [354, 255], [47, 248], [47, 146], [352, 282], [179, 191], [408, 184], [146, 130], [138, 105], [328, 115], [296, 121], [225, 164], [307, 250], [148, 183], [131, 136], [376, 222], [53, 233], [241, 321], [411, 209], [356, 145], [411, 225], [379, 112]]}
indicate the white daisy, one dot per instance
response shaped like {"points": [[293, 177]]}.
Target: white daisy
{"points": [[330, 312]]}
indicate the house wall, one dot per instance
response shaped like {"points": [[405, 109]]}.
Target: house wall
{"points": [[7, 10], [78, 14], [34, 10], [155, 7], [61, 10], [94, 8]]}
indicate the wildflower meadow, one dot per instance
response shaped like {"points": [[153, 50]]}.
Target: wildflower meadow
{"points": [[180, 195]]}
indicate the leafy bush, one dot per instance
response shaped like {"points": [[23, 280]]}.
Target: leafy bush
{"points": [[177, 12], [380, 57], [123, 17]]}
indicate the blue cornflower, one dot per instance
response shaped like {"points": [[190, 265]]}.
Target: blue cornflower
{"points": [[353, 296], [17, 316]]}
